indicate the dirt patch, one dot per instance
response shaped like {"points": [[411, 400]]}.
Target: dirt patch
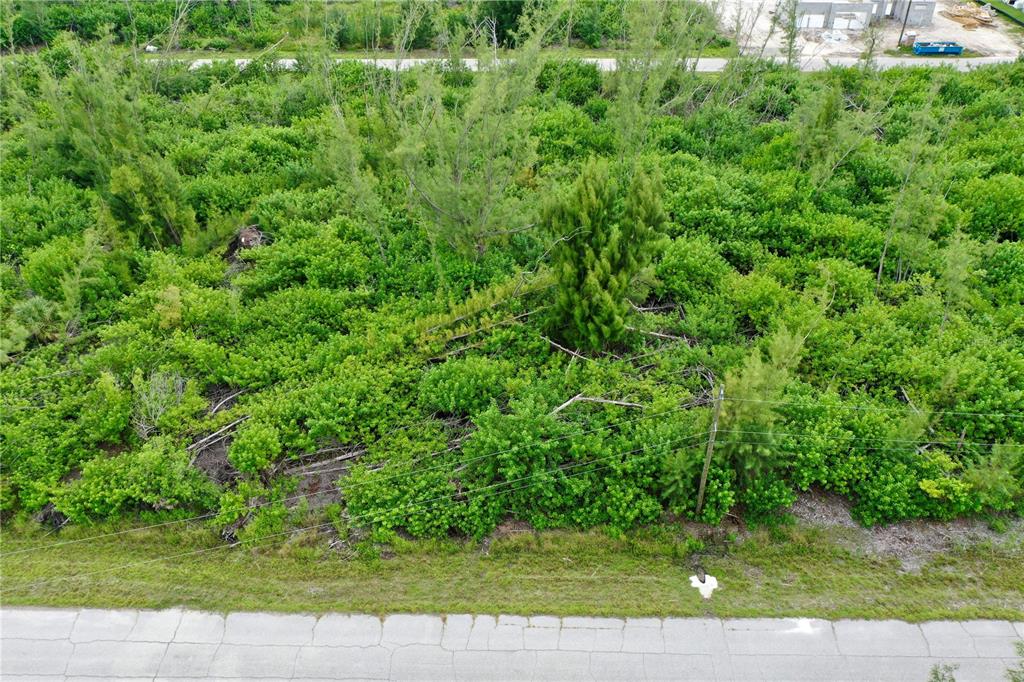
{"points": [[319, 489], [212, 460], [221, 397], [823, 509], [506, 529], [318, 476], [732, 529], [912, 543]]}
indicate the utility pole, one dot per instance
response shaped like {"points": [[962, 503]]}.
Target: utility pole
{"points": [[711, 447], [906, 15]]}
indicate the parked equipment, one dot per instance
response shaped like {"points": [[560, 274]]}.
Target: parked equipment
{"points": [[938, 47]]}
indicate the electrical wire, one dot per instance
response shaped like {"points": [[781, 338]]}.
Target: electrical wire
{"points": [[466, 493], [873, 408], [338, 489], [430, 455], [921, 441]]}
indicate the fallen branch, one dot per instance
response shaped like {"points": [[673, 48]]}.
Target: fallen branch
{"points": [[655, 308], [461, 349], [221, 404], [909, 401], [566, 350], [659, 335], [208, 439], [340, 458], [580, 398], [494, 324]]}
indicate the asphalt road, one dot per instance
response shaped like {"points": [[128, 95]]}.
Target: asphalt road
{"points": [[704, 65], [69, 644]]}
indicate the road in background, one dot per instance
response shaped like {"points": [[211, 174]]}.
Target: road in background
{"points": [[704, 65]]}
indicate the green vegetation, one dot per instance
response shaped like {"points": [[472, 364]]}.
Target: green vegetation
{"points": [[1009, 11], [604, 242], [787, 572], [296, 25], [371, 305]]}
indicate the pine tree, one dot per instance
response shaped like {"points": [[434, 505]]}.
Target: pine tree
{"points": [[604, 241], [95, 122], [748, 420]]}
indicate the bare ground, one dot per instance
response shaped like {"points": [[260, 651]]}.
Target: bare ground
{"points": [[910, 542], [752, 20]]}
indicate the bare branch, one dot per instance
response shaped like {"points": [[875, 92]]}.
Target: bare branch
{"points": [[566, 350], [580, 398], [659, 335], [209, 439], [213, 410]]}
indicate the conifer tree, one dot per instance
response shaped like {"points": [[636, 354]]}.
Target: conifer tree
{"points": [[749, 418], [605, 239], [94, 123]]}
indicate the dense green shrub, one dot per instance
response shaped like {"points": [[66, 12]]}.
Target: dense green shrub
{"points": [[565, 133], [550, 366], [574, 81], [995, 205], [156, 477], [691, 269], [464, 386], [255, 446]]}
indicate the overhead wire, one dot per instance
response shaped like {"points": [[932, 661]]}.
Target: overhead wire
{"points": [[412, 463], [208, 515], [911, 441], [421, 458], [418, 504], [875, 408]]}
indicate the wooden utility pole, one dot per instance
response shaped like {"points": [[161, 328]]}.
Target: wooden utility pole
{"points": [[711, 447], [906, 15]]}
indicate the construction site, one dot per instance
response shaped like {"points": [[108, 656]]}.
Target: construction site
{"points": [[852, 28]]}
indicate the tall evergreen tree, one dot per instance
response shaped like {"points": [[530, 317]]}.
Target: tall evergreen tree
{"points": [[606, 237], [95, 125]]}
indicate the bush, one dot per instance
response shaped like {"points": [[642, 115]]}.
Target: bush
{"points": [[463, 387], [157, 477], [565, 133], [996, 207], [570, 80], [254, 447], [78, 274], [691, 269]]}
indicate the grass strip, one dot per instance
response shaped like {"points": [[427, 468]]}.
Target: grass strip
{"points": [[784, 572]]}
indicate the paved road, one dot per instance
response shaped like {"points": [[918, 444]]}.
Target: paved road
{"points": [[58, 644], [705, 65]]}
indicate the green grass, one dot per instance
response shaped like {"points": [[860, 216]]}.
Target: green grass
{"points": [[1006, 10], [787, 572]]}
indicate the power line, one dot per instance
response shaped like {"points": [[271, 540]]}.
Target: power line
{"points": [[910, 441], [356, 486], [209, 515], [419, 504], [874, 408], [781, 451], [392, 463]]}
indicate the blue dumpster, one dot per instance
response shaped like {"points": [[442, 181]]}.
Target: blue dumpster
{"points": [[938, 47]]}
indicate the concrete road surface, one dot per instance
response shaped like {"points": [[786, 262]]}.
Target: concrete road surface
{"points": [[87, 644]]}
